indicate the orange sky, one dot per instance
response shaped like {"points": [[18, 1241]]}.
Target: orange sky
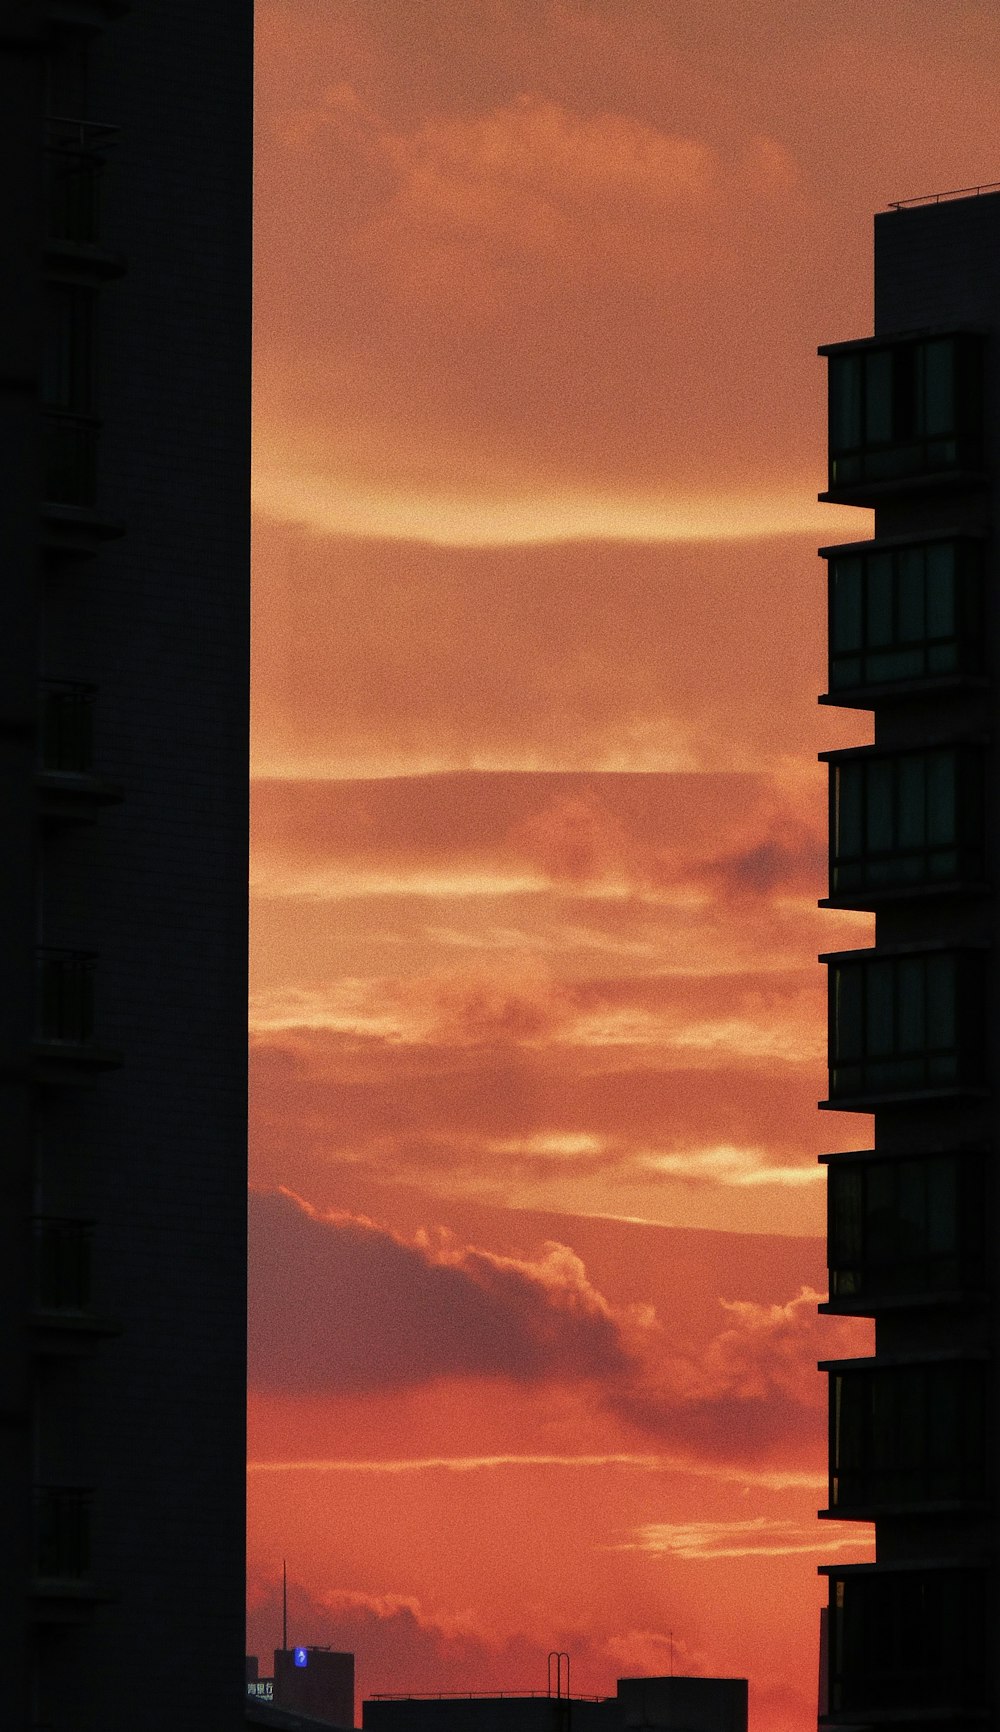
{"points": [[539, 831]]}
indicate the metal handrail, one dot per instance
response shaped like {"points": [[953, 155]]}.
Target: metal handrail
{"points": [[940, 197]]}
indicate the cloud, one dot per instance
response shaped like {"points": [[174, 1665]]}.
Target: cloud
{"points": [[758, 1536], [343, 1306], [374, 658]]}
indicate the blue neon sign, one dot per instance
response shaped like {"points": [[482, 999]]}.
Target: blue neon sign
{"points": [[302, 1656]]}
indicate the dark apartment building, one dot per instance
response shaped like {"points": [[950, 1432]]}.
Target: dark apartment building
{"points": [[124, 419], [914, 1022]]}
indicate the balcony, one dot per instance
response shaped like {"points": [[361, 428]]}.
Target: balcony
{"points": [[76, 153], [63, 1320], [907, 1643], [905, 1027], [905, 824], [908, 1438], [68, 788], [905, 415], [907, 1232], [905, 618], [62, 1584], [65, 1047]]}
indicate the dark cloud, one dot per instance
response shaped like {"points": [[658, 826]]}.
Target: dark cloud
{"points": [[339, 1304]]}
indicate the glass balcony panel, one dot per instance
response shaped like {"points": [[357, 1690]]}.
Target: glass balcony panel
{"points": [[880, 623], [938, 381], [67, 727], [845, 589], [878, 383]]}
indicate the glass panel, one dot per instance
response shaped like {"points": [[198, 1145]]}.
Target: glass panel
{"points": [[910, 594], [938, 406], [845, 1230], [941, 620], [845, 402], [847, 1023], [911, 1011], [845, 619], [942, 1207], [941, 815], [878, 396], [880, 586], [879, 805], [941, 1026], [911, 807], [849, 837]]}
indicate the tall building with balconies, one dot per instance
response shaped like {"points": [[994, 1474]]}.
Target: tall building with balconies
{"points": [[125, 163], [914, 1021]]}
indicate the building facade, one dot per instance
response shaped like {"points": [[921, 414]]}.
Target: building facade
{"points": [[125, 159], [914, 1021], [658, 1704]]}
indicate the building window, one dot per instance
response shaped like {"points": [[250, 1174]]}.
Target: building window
{"points": [[65, 984], [68, 393], [915, 818], [906, 1227], [905, 1024], [905, 410], [63, 1265], [62, 1533], [907, 1434], [908, 1639], [66, 733], [906, 613]]}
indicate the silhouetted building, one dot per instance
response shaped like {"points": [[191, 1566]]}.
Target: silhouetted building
{"points": [[124, 428], [663, 1704], [914, 1023], [315, 1681]]}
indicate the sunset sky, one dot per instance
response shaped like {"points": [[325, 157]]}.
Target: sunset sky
{"points": [[538, 1029]]}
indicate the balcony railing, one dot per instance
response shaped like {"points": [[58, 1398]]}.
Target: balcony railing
{"points": [[70, 458], [75, 152], [904, 1025], [907, 1230], [908, 1639], [62, 1534], [65, 996], [63, 1265], [66, 732], [907, 1436]]}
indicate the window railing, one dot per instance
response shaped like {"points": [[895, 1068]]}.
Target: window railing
{"points": [[904, 613], [62, 1533], [65, 996], [66, 730], [907, 1228], [904, 1024], [909, 1435], [906, 820], [63, 1265]]}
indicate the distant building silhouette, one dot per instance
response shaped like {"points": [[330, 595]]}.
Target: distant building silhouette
{"points": [[124, 524], [914, 1023], [663, 1704]]}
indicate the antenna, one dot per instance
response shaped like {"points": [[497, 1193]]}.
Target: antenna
{"points": [[671, 1653], [284, 1607]]}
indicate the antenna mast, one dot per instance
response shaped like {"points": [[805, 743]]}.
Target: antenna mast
{"points": [[284, 1607]]}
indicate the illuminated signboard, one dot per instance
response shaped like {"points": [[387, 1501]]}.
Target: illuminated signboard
{"points": [[302, 1656], [261, 1689]]}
